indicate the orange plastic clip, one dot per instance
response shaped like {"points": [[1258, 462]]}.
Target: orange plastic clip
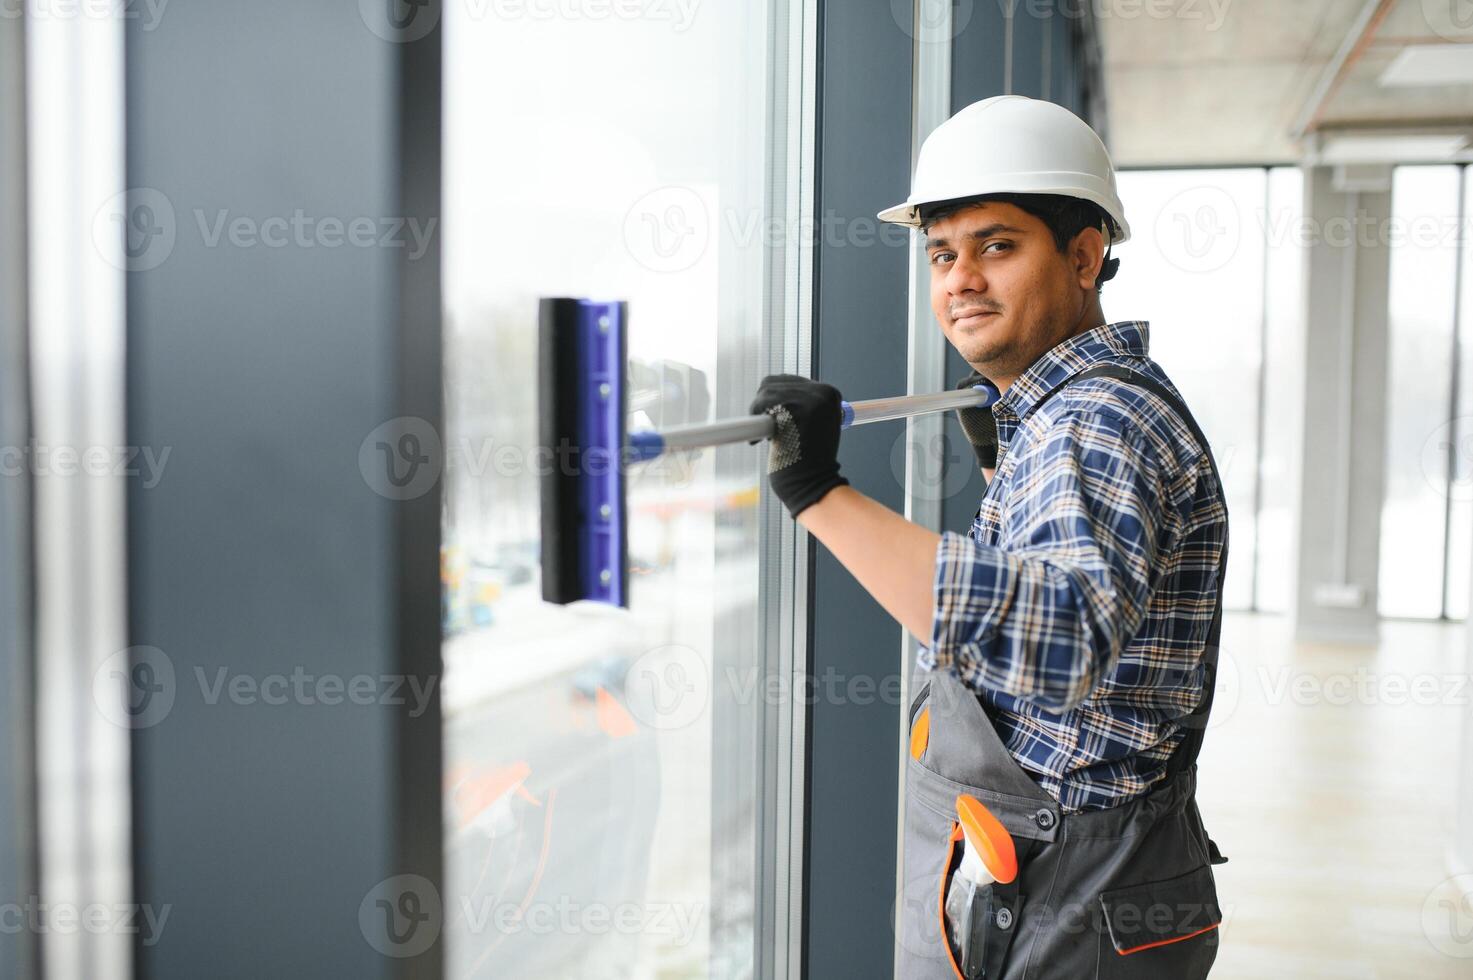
{"points": [[988, 838]]}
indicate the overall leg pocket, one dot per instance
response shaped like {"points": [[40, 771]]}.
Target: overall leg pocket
{"points": [[923, 952], [933, 852], [1166, 929], [977, 922]]}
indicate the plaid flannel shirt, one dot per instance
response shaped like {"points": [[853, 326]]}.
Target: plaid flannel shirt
{"points": [[1078, 608]]}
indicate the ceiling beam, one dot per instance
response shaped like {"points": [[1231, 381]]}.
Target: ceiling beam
{"points": [[1357, 39]]}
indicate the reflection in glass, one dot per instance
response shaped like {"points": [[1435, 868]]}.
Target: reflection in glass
{"points": [[599, 780]]}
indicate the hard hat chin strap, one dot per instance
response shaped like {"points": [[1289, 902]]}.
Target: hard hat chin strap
{"points": [[1110, 266]]}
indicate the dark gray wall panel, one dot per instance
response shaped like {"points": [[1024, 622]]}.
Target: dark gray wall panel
{"points": [[978, 53], [265, 551], [1030, 25], [860, 346]]}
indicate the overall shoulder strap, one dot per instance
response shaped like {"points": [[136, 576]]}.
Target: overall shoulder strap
{"points": [[1196, 722]]}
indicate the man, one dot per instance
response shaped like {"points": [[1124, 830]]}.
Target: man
{"points": [[1071, 638]]}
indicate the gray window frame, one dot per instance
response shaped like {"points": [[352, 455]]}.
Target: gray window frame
{"points": [[20, 949]]}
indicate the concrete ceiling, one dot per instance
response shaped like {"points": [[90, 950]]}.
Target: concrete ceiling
{"points": [[1263, 81]]}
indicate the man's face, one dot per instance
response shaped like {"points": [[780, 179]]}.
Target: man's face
{"points": [[1000, 288]]}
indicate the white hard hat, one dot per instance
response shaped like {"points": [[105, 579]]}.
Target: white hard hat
{"points": [[1010, 144]]}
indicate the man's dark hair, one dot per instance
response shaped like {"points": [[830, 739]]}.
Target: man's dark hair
{"points": [[1064, 216]]}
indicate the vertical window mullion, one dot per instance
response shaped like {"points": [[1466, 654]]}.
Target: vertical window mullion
{"points": [[1450, 476], [1261, 398]]}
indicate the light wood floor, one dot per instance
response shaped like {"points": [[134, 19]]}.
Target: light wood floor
{"points": [[1329, 781]]}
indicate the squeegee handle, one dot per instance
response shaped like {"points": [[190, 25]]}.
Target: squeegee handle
{"points": [[649, 444], [904, 406]]}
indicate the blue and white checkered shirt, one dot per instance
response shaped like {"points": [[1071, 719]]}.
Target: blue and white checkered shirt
{"points": [[1079, 607]]}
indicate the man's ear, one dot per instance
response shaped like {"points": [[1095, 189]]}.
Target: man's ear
{"points": [[1086, 256]]}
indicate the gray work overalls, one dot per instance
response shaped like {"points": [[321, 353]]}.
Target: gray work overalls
{"points": [[1122, 892]]}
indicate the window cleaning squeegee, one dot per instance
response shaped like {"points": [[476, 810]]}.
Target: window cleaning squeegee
{"points": [[583, 409]]}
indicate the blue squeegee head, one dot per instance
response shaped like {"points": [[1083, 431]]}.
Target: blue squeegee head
{"points": [[582, 407]]}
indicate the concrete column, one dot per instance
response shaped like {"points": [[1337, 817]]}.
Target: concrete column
{"points": [[1347, 272]]}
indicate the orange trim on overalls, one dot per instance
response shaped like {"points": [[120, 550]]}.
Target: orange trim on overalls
{"points": [[956, 835], [920, 734], [1167, 942]]}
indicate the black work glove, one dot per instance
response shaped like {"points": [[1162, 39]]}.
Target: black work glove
{"points": [[803, 458], [978, 425]]}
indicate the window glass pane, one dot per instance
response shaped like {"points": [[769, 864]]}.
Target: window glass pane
{"points": [[1460, 510], [1194, 269], [1413, 515], [1283, 388], [599, 800]]}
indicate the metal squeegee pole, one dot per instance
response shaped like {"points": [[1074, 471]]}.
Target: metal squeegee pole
{"points": [[722, 433], [752, 427], [884, 409]]}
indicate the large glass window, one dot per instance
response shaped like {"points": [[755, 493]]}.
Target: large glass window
{"points": [[1282, 384], [1422, 432], [1214, 264], [600, 798]]}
